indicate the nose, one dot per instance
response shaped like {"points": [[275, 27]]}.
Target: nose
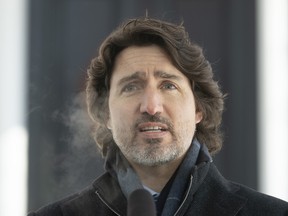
{"points": [[151, 102]]}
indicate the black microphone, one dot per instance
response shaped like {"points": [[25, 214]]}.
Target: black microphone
{"points": [[141, 203]]}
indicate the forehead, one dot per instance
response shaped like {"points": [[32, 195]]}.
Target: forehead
{"points": [[143, 60]]}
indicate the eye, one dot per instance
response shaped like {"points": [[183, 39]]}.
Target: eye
{"points": [[168, 86], [130, 88]]}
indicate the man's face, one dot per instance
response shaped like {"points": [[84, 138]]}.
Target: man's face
{"points": [[152, 107]]}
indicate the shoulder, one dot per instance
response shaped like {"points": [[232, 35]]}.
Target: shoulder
{"points": [[56, 208], [85, 199], [52, 208], [261, 202], [256, 203]]}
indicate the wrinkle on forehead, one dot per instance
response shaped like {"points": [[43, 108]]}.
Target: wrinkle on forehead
{"points": [[139, 63], [143, 75]]}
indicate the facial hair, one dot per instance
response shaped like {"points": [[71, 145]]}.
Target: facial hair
{"points": [[151, 152]]}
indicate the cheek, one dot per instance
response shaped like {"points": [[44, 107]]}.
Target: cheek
{"points": [[120, 115], [186, 112], [185, 104]]}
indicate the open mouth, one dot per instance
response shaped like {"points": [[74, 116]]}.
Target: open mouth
{"points": [[153, 129]]}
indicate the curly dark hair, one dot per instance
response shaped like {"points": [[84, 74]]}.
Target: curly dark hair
{"points": [[186, 56]]}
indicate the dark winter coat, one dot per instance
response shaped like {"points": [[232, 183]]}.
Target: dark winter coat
{"points": [[208, 193]]}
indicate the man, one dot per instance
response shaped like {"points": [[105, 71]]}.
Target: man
{"points": [[157, 113]]}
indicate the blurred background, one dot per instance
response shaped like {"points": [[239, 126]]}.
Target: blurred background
{"points": [[46, 151]]}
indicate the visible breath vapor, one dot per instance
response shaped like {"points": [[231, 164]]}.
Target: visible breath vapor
{"points": [[78, 122], [81, 162]]}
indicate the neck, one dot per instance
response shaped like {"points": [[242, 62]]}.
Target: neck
{"points": [[156, 177]]}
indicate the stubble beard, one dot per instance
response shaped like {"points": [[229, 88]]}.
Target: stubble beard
{"points": [[150, 152]]}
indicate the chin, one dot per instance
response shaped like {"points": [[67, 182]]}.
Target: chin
{"points": [[149, 160]]}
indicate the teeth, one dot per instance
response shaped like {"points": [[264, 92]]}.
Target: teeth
{"points": [[151, 128]]}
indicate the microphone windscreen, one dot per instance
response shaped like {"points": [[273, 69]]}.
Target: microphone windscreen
{"points": [[141, 203]]}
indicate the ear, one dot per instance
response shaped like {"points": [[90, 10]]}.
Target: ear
{"points": [[198, 117], [108, 124]]}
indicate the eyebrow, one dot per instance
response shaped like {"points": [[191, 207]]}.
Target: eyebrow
{"points": [[134, 76], [141, 76], [165, 75]]}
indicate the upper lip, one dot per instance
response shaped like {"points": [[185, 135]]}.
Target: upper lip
{"points": [[152, 126]]}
